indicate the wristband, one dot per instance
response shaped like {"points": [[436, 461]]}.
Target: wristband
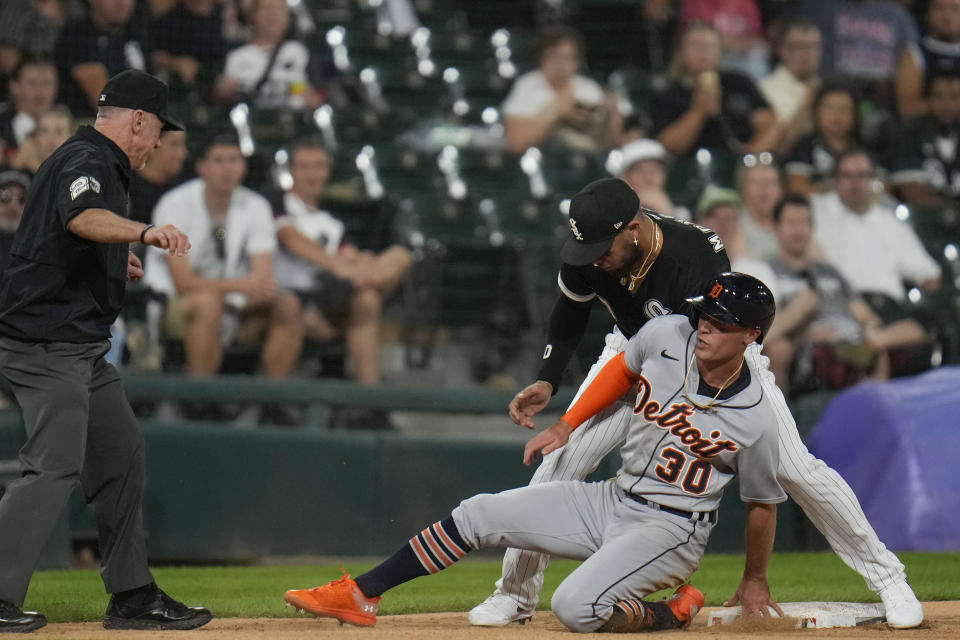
{"points": [[143, 232]]}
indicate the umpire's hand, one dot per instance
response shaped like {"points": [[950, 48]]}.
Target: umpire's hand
{"points": [[134, 267], [168, 237]]}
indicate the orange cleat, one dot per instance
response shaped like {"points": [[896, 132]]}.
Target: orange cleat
{"points": [[685, 603], [340, 599]]}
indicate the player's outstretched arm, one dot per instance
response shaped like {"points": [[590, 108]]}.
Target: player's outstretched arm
{"points": [[753, 592], [530, 402], [546, 441]]}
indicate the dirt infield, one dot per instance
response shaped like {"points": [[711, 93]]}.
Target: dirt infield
{"points": [[942, 622]]}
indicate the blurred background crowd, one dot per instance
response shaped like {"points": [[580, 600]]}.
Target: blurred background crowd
{"points": [[377, 189]]}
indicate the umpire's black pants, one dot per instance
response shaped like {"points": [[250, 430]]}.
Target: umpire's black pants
{"points": [[79, 427]]}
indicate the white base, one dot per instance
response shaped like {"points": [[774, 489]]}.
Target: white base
{"points": [[815, 615]]}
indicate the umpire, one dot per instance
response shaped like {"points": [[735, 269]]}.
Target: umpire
{"points": [[62, 289]]}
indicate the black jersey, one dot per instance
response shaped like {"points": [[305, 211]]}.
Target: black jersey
{"points": [[690, 257], [739, 100], [939, 57], [57, 286], [927, 154]]}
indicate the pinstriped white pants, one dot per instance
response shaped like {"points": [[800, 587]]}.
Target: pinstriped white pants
{"points": [[823, 495]]}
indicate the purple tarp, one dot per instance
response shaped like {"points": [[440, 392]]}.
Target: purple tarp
{"points": [[898, 445]]}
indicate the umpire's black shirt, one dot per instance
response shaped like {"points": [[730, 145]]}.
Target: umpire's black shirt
{"points": [[58, 287]]}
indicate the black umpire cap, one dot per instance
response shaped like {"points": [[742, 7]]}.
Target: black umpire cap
{"points": [[134, 89], [598, 212]]}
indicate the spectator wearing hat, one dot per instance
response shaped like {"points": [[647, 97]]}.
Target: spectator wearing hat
{"points": [[642, 164]]}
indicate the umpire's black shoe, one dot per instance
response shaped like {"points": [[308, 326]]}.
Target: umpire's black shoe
{"points": [[15, 620], [152, 609]]}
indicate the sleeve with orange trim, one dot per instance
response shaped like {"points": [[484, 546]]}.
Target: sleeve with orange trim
{"points": [[609, 385]]}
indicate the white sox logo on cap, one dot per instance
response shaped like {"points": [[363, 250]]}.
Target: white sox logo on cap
{"points": [[576, 232]]}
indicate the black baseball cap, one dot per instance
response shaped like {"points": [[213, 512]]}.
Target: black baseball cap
{"points": [[598, 212], [134, 89]]}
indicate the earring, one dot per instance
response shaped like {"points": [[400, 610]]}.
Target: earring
{"points": [[635, 243]]}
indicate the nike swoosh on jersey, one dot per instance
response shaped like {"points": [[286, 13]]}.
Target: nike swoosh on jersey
{"points": [[668, 356]]}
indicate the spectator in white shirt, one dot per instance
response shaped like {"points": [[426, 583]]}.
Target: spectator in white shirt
{"points": [[224, 289], [862, 237], [554, 102], [343, 287], [272, 69], [793, 85]]}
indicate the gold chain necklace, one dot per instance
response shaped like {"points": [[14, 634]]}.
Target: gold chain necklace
{"points": [[686, 394], [656, 240]]}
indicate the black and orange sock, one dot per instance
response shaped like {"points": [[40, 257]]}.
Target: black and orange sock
{"points": [[435, 548]]}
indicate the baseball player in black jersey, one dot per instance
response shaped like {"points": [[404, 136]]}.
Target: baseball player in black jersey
{"points": [[62, 288], [641, 265]]}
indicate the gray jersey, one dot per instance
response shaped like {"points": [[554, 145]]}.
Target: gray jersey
{"points": [[680, 456], [834, 291]]}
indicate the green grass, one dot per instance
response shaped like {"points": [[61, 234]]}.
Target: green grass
{"points": [[258, 591]]}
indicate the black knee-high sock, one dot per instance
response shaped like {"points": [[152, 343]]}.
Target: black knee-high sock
{"points": [[435, 548]]}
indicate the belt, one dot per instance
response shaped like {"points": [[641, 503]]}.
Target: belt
{"points": [[699, 516]]}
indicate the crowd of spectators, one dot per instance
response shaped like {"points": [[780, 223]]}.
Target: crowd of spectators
{"points": [[833, 112]]}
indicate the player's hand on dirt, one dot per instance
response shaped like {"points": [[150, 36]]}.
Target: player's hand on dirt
{"points": [[530, 402], [753, 595], [546, 441], [134, 267], [168, 237]]}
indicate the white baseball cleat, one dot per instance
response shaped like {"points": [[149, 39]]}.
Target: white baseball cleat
{"points": [[497, 611], [902, 607]]}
